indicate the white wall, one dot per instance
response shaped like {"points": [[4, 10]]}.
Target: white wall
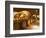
{"points": [[2, 19]]}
